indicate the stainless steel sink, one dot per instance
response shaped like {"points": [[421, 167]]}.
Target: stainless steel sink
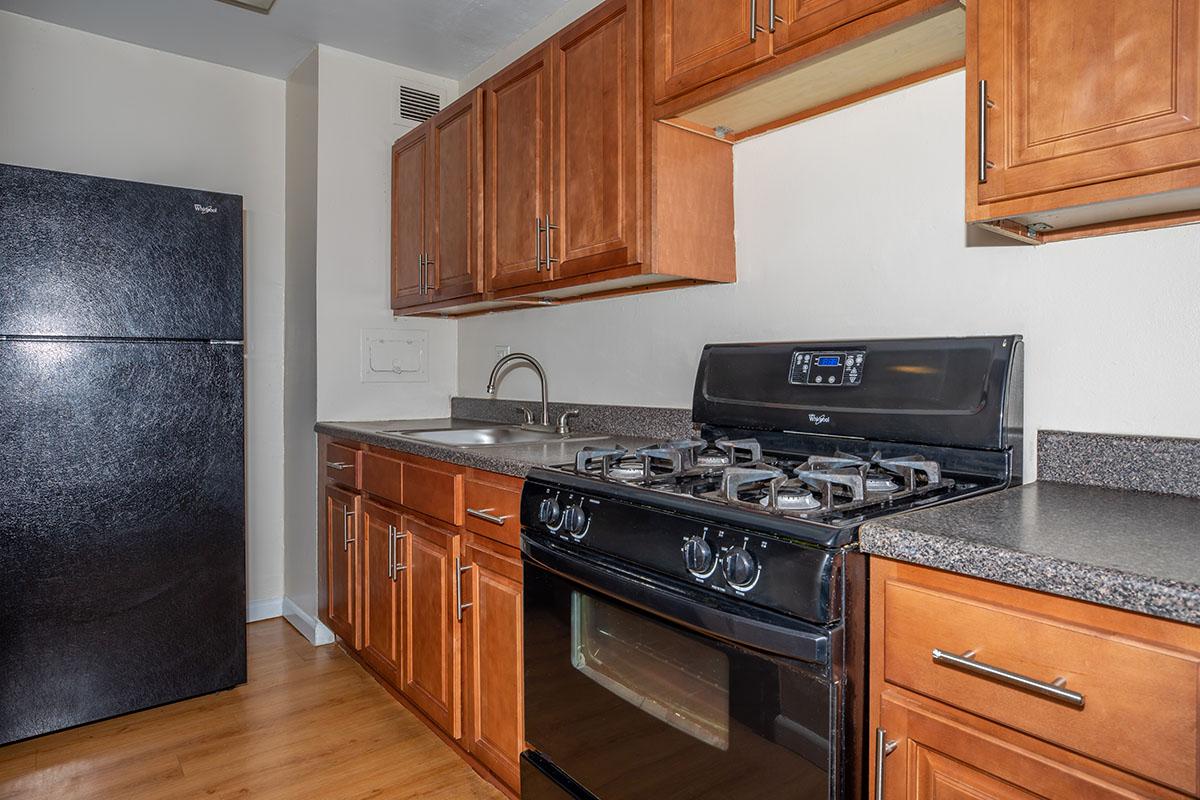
{"points": [[484, 437]]}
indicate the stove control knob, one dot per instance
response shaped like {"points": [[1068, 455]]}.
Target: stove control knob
{"points": [[740, 568], [549, 512], [698, 556], [574, 520]]}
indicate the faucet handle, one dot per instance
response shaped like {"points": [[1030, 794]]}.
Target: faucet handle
{"points": [[564, 426], [529, 418]]}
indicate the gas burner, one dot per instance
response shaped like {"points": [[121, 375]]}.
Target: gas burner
{"points": [[628, 468], [881, 484], [712, 458], [792, 498]]}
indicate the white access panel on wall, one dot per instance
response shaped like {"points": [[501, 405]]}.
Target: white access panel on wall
{"points": [[390, 356]]}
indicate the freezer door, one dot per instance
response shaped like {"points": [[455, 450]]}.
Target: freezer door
{"points": [[121, 528], [83, 256]]}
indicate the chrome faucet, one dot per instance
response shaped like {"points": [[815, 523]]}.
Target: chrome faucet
{"points": [[537, 367]]}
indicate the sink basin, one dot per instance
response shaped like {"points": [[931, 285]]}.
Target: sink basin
{"points": [[483, 437]]}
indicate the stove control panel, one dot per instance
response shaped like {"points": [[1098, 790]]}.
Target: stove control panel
{"points": [[756, 566], [827, 368]]}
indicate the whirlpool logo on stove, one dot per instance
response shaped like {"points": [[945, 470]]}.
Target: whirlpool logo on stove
{"points": [[205, 209], [819, 419]]}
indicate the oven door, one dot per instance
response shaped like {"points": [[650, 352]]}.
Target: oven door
{"points": [[636, 690]]}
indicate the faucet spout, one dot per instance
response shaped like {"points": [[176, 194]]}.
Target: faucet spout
{"points": [[537, 367]]}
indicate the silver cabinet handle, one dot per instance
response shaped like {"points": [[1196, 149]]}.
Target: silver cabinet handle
{"points": [[549, 226], [984, 105], [423, 282], [338, 465], [753, 20], [883, 749], [772, 16], [397, 567], [430, 285], [459, 569], [537, 222], [391, 552], [1055, 691], [482, 513], [347, 539]]}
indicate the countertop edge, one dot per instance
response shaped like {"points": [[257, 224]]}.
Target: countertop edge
{"points": [[1156, 597], [464, 457]]}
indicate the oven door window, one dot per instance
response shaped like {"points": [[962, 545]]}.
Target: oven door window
{"points": [[676, 679]]}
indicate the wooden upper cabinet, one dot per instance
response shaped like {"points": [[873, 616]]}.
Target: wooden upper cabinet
{"points": [[455, 199], [431, 662], [597, 142], [697, 41], [1080, 95], [342, 542], [798, 21], [410, 174], [517, 170]]}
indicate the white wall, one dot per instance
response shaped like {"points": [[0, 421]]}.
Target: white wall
{"points": [[354, 244], [567, 13], [300, 353], [851, 225], [77, 102]]}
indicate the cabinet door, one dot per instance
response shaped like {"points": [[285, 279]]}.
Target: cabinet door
{"points": [[410, 174], [342, 559], [797, 21], [698, 41], [947, 758], [493, 717], [597, 138], [517, 170], [383, 531], [1084, 94], [430, 656], [455, 213]]}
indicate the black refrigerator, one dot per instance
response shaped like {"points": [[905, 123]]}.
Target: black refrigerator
{"points": [[122, 522]]}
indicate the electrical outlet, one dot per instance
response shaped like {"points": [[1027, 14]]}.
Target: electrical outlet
{"points": [[502, 350]]}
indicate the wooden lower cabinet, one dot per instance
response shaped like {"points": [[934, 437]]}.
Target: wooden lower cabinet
{"points": [[430, 666], [423, 585], [383, 600], [493, 717], [1107, 705], [342, 548], [942, 754]]}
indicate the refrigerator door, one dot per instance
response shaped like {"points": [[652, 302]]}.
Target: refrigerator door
{"points": [[83, 256], [121, 528]]}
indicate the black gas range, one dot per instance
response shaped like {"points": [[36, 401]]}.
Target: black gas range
{"points": [[702, 601]]}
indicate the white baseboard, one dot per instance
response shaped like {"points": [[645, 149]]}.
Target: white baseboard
{"points": [[264, 609], [308, 625]]}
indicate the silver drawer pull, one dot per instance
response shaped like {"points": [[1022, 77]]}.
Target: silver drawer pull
{"points": [[1055, 691], [883, 748], [483, 514], [339, 465]]}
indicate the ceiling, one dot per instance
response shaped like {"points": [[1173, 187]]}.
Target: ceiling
{"points": [[444, 37]]}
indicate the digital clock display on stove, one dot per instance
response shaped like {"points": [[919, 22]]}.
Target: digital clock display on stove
{"points": [[813, 368]]}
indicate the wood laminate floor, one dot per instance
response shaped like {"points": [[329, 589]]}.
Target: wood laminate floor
{"points": [[309, 724]]}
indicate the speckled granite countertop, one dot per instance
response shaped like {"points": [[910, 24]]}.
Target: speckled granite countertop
{"points": [[507, 459], [1132, 550]]}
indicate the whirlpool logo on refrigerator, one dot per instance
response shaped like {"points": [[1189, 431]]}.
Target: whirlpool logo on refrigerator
{"points": [[205, 209], [819, 419]]}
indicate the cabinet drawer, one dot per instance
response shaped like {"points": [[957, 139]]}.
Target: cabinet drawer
{"points": [[382, 477], [434, 489], [493, 508], [1139, 700], [342, 465]]}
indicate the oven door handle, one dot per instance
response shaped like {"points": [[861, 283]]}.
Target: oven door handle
{"points": [[750, 626]]}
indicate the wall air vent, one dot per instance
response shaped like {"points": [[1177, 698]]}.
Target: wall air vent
{"points": [[414, 104]]}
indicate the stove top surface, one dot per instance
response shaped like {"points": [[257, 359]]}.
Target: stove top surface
{"points": [[836, 489]]}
